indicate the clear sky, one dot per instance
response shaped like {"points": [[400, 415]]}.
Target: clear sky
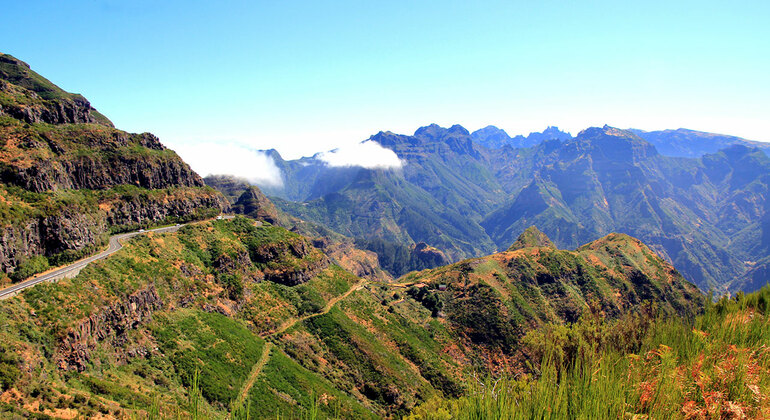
{"points": [[307, 76]]}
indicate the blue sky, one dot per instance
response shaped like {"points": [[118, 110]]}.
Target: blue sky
{"points": [[307, 76]]}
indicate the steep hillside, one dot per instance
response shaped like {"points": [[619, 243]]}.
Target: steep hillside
{"points": [[493, 301], [29, 97], [68, 178], [235, 316], [437, 198], [166, 315], [249, 201]]}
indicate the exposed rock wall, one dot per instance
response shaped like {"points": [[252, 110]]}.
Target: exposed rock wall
{"points": [[100, 172], [290, 262], [71, 231], [33, 99], [109, 323], [68, 231], [256, 205], [138, 211]]}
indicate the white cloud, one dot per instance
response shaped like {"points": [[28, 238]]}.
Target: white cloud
{"points": [[367, 154], [232, 159]]}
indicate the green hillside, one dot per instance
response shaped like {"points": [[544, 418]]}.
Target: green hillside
{"points": [[716, 366], [68, 178], [258, 320]]}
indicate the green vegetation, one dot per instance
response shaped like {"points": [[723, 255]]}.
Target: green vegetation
{"points": [[30, 267], [648, 366], [202, 331], [303, 394], [221, 350]]}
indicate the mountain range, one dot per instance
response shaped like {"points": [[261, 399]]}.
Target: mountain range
{"points": [[706, 214]]}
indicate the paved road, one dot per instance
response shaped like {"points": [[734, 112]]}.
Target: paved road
{"points": [[74, 268]]}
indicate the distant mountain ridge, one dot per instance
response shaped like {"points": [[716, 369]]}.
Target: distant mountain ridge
{"points": [[691, 143], [703, 214], [681, 142], [494, 138]]}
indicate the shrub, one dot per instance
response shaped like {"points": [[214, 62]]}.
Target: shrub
{"points": [[29, 268]]}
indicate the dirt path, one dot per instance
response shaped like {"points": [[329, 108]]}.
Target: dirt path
{"points": [[329, 305], [255, 371]]}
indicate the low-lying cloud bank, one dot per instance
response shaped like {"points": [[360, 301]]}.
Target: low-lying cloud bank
{"points": [[232, 159], [367, 154]]}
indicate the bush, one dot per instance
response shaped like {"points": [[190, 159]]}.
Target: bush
{"points": [[233, 284], [9, 374], [29, 268]]}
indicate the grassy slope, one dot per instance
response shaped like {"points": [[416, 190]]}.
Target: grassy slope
{"points": [[155, 362], [381, 351], [716, 367]]}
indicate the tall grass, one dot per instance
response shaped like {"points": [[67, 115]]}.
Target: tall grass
{"points": [[715, 366]]}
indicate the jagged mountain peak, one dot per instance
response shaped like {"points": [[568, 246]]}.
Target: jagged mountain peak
{"points": [[493, 137], [612, 143], [458, 129], [532, 237], [436, 132], [607, 130]]}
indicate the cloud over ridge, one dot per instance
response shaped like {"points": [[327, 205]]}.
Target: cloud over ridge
{"points": [[232, 159], [366, 154]]}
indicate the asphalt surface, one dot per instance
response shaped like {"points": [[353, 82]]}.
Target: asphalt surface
{"points": [[114, 246]]}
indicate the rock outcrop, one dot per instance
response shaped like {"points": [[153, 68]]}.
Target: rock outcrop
{"points": [[424, 256], [144, 210], [121, 161], [290, 262], [111, 324], [36, 100], [253, 203], [68, 231]]}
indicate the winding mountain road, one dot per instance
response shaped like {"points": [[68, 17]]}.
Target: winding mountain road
{"points": [[73, 269]]}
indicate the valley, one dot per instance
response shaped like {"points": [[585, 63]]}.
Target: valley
{"points": [[706, 215], [489, 276]]}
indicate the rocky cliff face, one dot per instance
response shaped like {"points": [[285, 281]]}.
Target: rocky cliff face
{"points": [[110, 323], [101, 161], [144, 210], [65, 111], [290, 262], [254, 204], [423, 255], [69, 231], [67, 177]]}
